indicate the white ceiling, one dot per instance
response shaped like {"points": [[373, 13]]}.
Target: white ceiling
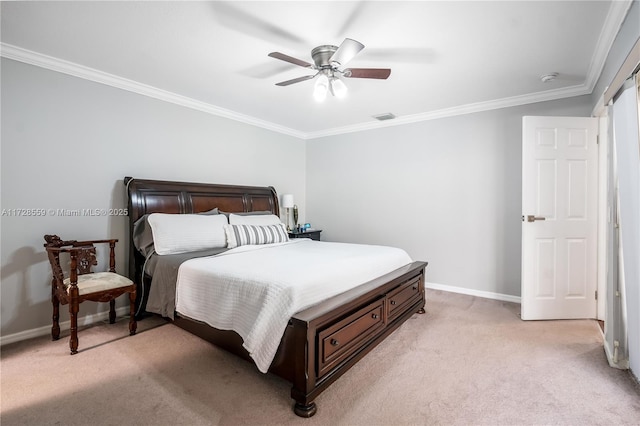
{"points": [[447, 57]]}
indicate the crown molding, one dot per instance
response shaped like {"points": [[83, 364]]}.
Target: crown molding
{"points": [[612, 23], [615, 17], [548, 95], [66, 67]]}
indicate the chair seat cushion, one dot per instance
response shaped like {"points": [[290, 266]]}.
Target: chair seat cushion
{"points": [[99, 281]]}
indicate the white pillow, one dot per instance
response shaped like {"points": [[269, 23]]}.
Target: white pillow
{"points": [[258, 219], [241, 235], [182, 233]]}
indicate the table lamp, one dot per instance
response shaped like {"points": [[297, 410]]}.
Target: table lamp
{"points": [[287, 203]]}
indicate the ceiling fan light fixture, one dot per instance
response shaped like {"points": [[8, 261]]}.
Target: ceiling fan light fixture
{"points": [[338, 88], [321, 88]]}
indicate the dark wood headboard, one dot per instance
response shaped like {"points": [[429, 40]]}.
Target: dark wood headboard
{"points": [[158, 196]]}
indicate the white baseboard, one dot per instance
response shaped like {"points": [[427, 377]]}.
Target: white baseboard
{"points": [[42, 331], [470, 292], [123, 311], [622, 364]]}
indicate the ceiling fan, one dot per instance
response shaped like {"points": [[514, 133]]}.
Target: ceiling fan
{"points": [[328, 61]]}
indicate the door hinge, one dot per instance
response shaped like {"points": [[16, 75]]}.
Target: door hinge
{"points": [[596, 294], [598, 140]]}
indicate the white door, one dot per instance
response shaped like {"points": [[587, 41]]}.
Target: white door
{"points": [[559, 217]]}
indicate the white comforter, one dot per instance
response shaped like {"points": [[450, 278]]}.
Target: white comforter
{"points": [[254, 290]]}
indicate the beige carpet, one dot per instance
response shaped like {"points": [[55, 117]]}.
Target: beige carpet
{"points": [[468, 361]]}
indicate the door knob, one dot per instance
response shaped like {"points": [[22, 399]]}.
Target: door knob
{"points": [[532, 218]]}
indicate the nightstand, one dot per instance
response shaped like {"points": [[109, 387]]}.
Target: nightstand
{"points": [[314, 234]]}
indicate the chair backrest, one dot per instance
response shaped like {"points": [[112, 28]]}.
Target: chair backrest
{"points": [[85, 258]]}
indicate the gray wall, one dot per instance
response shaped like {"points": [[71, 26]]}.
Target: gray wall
{"points": [[448, 191], [67, 143]]}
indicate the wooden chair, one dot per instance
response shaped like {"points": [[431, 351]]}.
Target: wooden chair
{"points": [[82, 284]]}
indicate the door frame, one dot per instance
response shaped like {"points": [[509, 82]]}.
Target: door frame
{"points": [[604, 211]]}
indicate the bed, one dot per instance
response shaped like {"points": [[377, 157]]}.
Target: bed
{"points": [[320, 342]]}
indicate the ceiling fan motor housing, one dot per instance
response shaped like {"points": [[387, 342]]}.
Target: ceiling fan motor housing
{"points": [[322, 54]]}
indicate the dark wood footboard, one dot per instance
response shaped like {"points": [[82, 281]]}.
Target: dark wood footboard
{"points": [[333, 336]]}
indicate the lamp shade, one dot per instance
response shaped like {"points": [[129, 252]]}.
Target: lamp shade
{"points": [[321, 88], [287, 201], [338, 88]]}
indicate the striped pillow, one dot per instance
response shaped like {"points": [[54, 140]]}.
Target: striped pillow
{"points": [[242, 235]]}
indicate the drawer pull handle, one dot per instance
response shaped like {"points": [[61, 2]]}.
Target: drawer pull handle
{"points": [[334, 342], [415, 287], [393, 302], [374, 316]]}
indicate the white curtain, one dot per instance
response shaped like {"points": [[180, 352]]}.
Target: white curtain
{"points": [[626, 141]]}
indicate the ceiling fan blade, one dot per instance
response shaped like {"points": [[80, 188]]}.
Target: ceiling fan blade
{"points": [[347, 50], [380, 73], [235, 18], [354, 16], [295, 80], [290, 59]]}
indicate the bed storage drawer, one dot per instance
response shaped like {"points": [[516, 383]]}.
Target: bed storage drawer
{"points": [[402, 297], [343, 338]]}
